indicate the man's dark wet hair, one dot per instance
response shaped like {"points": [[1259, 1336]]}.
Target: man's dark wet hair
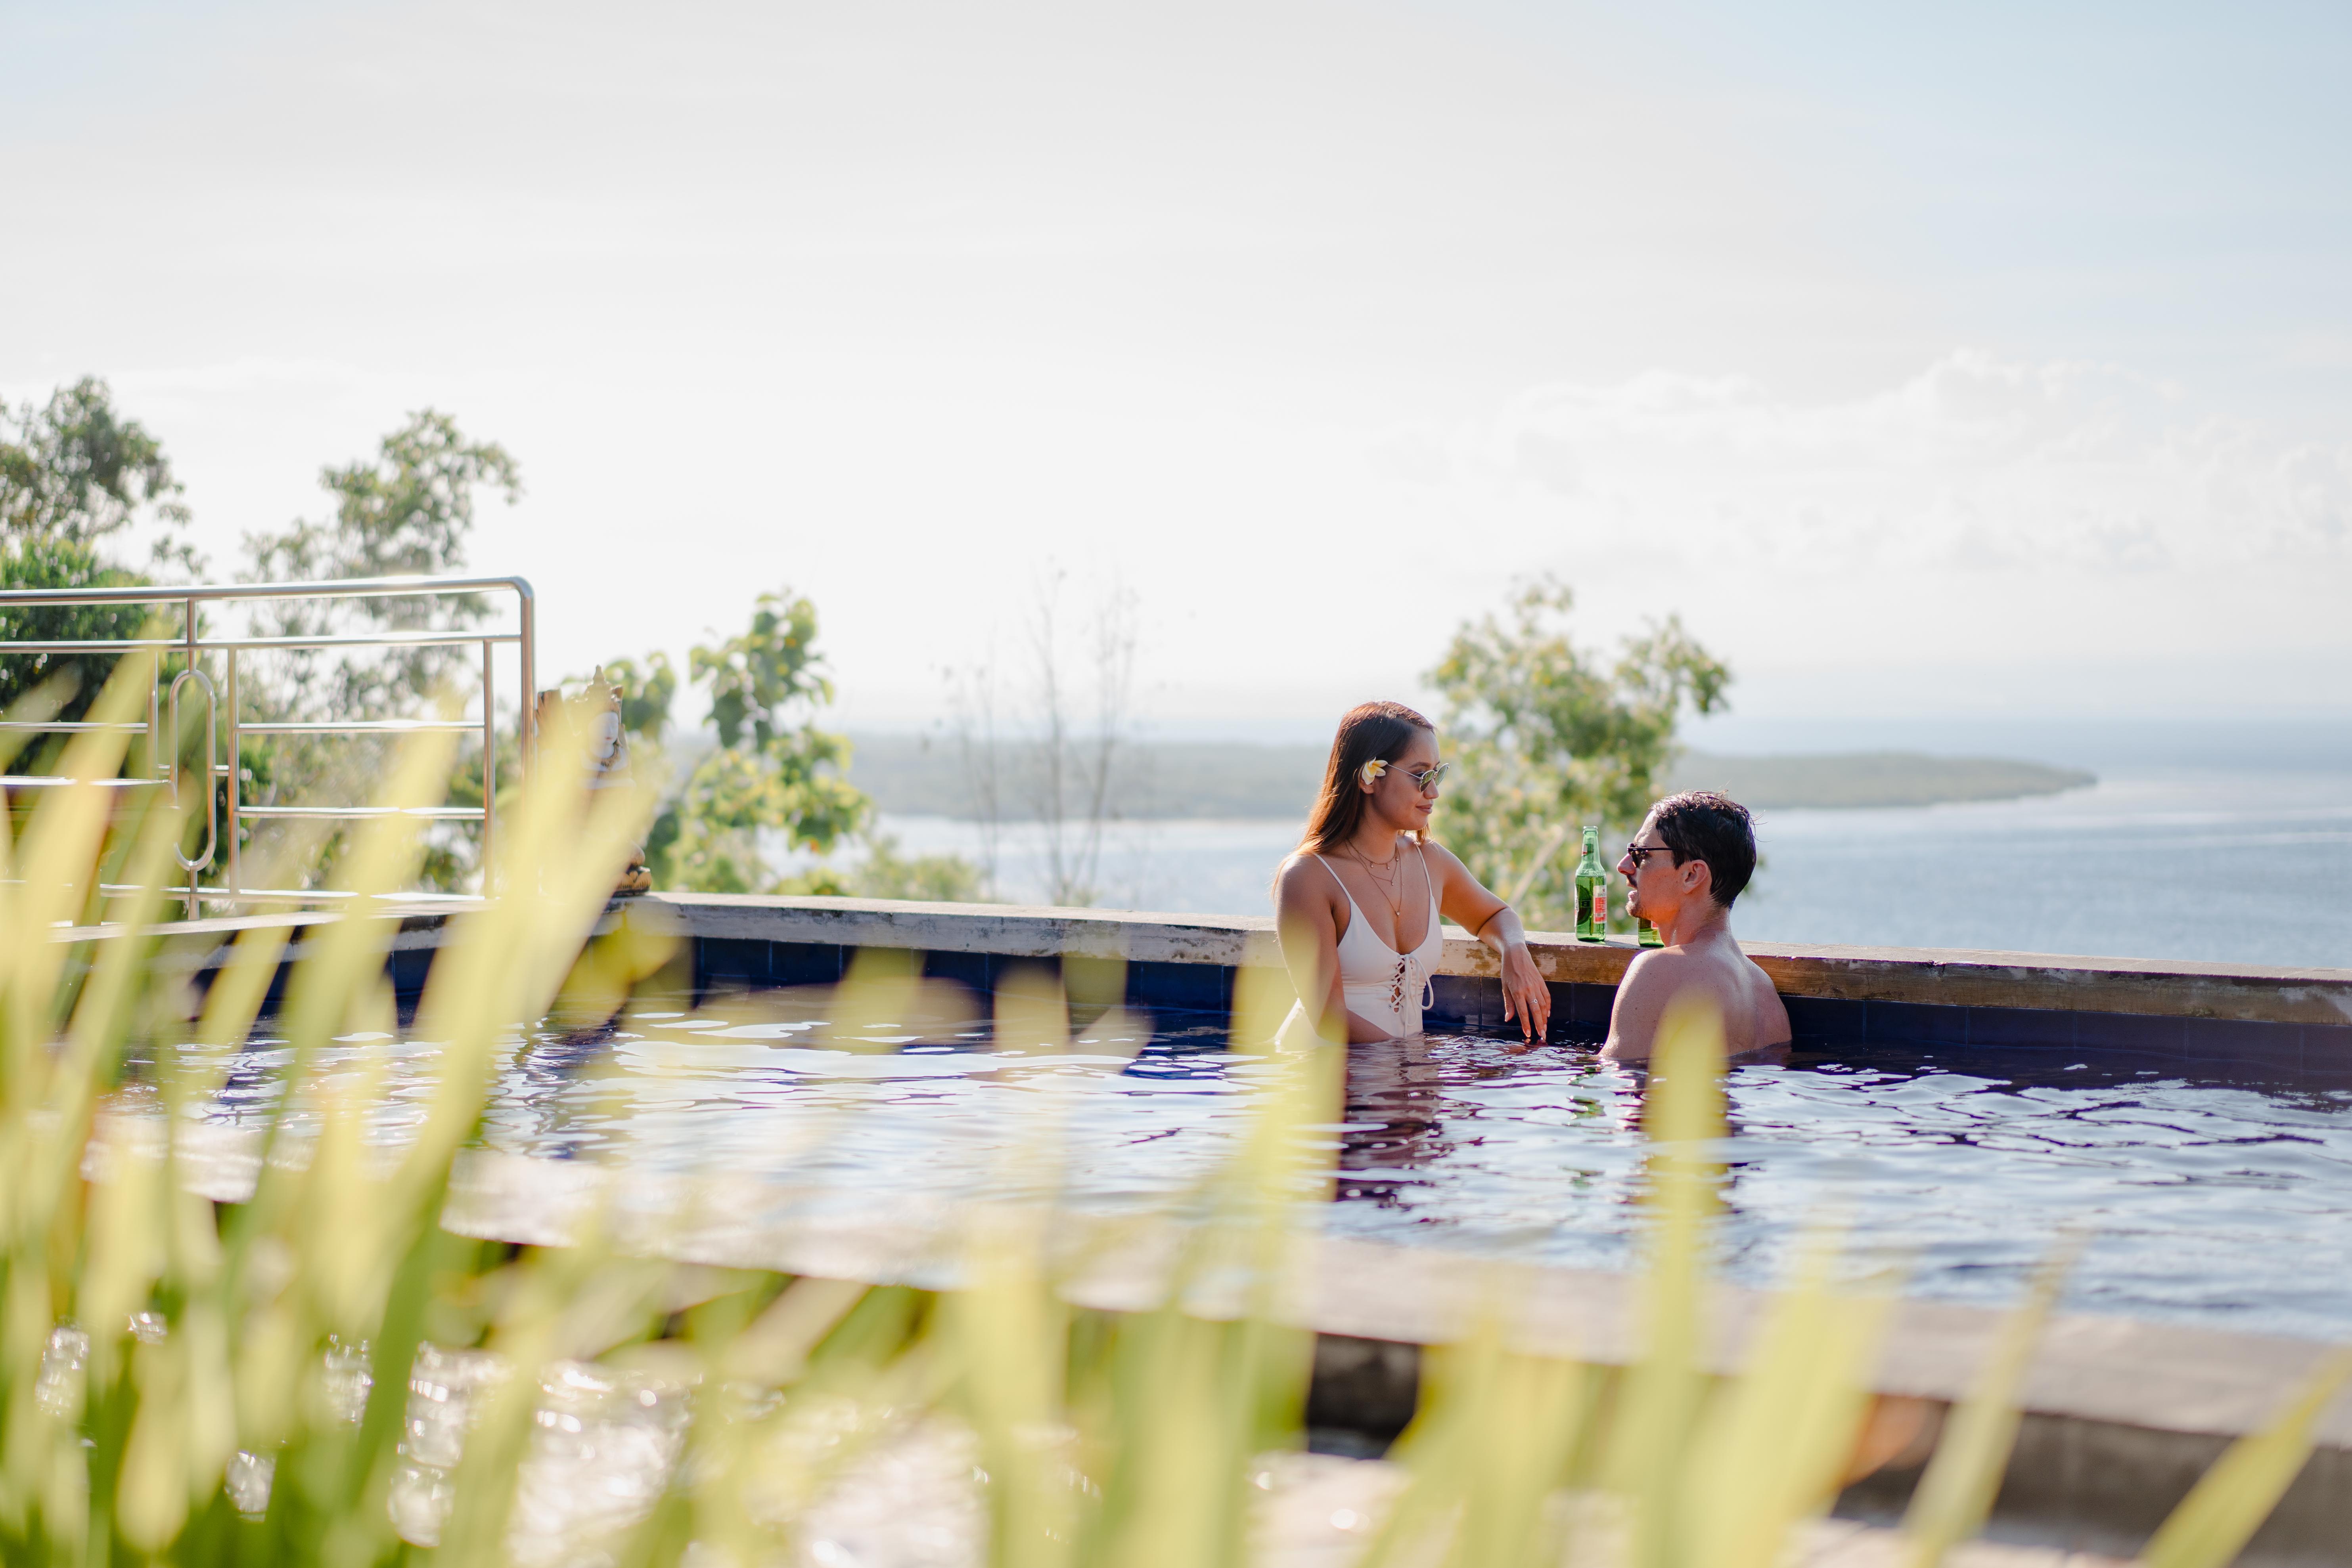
{"points": [[1700, 824]]}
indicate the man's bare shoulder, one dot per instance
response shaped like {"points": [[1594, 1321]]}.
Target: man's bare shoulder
{"points": [[1771, 1014], [1649, 983], [1659, 966], [1659, 975]]}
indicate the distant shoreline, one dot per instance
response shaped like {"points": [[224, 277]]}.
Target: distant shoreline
{"points": [[921, 775], [1847, 780]]}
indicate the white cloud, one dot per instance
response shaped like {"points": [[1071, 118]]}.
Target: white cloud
{"points": [[1975, 463]]}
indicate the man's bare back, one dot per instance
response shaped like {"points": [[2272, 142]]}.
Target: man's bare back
{"points": [[1712, 965], [1692, 857]]}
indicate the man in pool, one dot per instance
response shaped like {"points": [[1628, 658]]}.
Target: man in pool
{"points": [[1694, 854]]}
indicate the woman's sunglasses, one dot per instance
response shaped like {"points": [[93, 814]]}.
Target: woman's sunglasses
{"points": [[1428, 779]]}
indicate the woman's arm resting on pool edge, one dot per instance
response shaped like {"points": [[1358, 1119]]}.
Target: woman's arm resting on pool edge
{"points": [[1467, 903]]}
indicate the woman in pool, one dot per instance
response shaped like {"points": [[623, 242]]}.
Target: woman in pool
{"points": [[1357, 905]]}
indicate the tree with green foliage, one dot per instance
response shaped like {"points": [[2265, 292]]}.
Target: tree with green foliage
{"points": [[409, 510], [74, 471], [885, 873], [406, 513], [75, 474], [773, 771], [1544, 737], [53, 563], [646, 694], [774, 777]]}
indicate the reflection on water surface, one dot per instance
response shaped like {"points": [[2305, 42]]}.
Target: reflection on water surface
{"points": [[2212, 1203]]}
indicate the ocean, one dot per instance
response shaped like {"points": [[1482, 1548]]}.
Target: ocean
{"points": [[2227, 864]]}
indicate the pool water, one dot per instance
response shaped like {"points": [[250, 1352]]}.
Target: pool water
{"points": [[2211, 1203]]}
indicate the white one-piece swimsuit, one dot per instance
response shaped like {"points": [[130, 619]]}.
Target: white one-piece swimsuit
{"points": [[1379, 984]]}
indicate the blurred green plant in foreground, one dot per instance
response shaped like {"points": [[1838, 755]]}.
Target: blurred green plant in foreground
{"points": [[320, 1373]]}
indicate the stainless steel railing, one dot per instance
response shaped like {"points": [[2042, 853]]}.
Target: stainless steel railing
{"points": [[194, 645]]}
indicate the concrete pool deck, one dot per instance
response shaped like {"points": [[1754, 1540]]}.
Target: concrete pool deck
{"points": [[2122, 1415]]}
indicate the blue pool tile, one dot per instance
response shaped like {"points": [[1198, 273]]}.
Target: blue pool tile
{"points": [[406, 971], [1588, 1004], [1826, 1019], [2328, 1049], [804, 963], [2244, 1040], [966, 969], [2021, 1027], [1563, 1011], [1197, 987], [1915, 1024], [730, 961], [2327, 1054], [2133, 1032], [1464, 1002], [1580, 1013]]}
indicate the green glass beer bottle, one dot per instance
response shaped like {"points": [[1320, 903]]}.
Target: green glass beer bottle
{"points": [[1592, 891]]}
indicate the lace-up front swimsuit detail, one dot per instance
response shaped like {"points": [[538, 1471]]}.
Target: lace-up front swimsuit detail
{"points": [[1381, 984]]}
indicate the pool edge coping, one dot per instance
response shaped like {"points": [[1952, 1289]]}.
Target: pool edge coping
{"points": [[1955, 977], [1943, 977]]}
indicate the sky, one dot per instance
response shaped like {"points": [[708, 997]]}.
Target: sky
{"points": [[1928, 363]]}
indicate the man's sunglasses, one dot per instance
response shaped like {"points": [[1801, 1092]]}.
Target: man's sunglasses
{"points": [[1634, 852]]}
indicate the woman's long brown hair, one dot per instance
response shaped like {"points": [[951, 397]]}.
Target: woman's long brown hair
{"points": [[1370, 730]]}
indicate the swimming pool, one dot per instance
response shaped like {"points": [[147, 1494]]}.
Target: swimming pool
{"points": [[2208, 1202]]}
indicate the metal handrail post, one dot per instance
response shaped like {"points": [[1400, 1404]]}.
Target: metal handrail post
{"points": [[211, 770], [236, 783], [490, 764], [527, 702], [195, 870]]}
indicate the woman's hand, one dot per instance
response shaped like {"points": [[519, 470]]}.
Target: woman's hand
{"points": [[1525, 997]]}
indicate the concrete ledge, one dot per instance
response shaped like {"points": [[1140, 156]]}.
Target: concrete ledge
{"points": [[1009, 930], [2122, 1415], [1925, 976], [186, 946], [2120, 1371], [1837, 980]]}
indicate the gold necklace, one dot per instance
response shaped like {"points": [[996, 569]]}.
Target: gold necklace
{"points": [[1391, 889]]}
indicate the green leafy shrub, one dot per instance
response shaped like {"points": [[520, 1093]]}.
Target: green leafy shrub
{"points": [[1544, 737]]}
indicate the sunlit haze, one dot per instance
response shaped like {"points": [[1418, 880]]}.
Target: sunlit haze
{"points": [[1990, 361]]}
